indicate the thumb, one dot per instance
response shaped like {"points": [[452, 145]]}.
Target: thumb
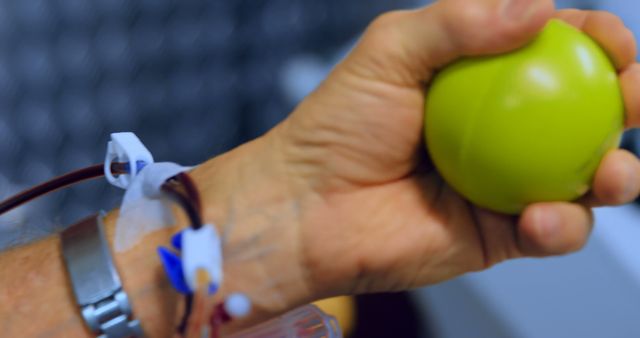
{"points": [[405, 47]]}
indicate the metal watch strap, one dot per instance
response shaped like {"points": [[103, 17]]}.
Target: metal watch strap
{"points": [[104, 305]]}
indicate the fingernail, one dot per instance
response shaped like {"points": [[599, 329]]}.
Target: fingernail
{"points": [[518, 9], [548, 225]]}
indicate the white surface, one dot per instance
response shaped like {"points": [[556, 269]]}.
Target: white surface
{"points": [[143, 209], [620, 233], [594, 293]]}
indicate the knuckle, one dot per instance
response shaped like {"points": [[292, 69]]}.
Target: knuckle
{"points": [[476, 25], [386, 21], [468, 17], [383, 30], [613, 184], [628, 40], [609, 18], [385, 36], [612, 195]]}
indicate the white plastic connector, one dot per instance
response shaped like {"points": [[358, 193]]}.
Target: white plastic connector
{"points": [[201, 249], [237, 305], [125, 147]]}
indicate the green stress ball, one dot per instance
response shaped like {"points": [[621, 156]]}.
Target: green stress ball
{"points": [[526, 126]]}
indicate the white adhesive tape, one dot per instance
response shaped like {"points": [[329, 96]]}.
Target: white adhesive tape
{"points": [[144, 209]]}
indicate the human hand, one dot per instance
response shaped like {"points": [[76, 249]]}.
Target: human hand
{"points": [[375, 216], [339, 197]]}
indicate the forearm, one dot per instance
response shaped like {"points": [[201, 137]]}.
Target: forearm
{"points": [[35, 298], [243, 194]]}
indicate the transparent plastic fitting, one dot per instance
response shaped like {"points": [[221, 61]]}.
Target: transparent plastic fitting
{"points": [[305, 322], [127, 148]]}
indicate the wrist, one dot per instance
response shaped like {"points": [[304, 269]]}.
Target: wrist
{"points": [[328, 244], [152, 298], [246, 193], [248, 197]]}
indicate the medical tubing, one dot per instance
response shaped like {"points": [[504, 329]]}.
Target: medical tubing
{"points": [[60, 182]]}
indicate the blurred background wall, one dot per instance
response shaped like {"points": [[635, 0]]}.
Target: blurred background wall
{"points": [[192, 78], [195, 78]]}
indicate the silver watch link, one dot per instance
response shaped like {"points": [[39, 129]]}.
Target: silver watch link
{"points": [[103, 303]]}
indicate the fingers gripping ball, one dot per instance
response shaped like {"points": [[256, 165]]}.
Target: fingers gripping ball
{"points": [[527, 126]]}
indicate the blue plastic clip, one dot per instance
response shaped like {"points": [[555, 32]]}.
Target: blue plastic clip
{"points": [[173, 267], [176, 241], [139, 166]]}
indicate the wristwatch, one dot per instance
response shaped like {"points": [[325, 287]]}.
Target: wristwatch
{"points": [[103, 303]]}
